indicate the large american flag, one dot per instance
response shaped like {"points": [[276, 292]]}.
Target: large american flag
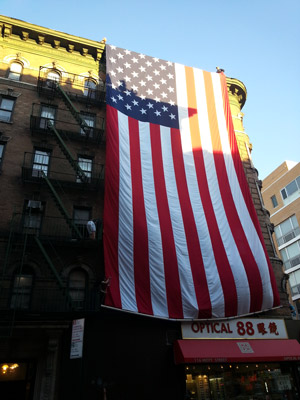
{"points": [[181, 235]]}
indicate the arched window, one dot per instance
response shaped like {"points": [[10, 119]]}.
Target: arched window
{"points": [[77, 287], [52, 77], [22, 289], [15, 71], [90, 88]]}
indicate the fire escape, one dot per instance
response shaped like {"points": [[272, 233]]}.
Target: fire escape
{"points": [[69, 172]]}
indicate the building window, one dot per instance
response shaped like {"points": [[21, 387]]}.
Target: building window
{"points": [[47, 114], [41, 159], [80, 217], [15, 71], [287, 230], [6, 109], [291, 255], [274, 201], [86, 165], [89, 119], [291, 188], [294, 281], [90, 88], [33, 213], [22, 289], [2, 146], [53, 77], [77, 287]]}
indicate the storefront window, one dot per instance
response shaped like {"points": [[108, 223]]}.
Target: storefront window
{"points": [[240, 381]]}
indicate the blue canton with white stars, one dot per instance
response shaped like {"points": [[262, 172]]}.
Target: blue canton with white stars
{"points": [[141, 87]]}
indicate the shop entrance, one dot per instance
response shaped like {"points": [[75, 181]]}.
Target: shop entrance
{"points": [[16, 380], [260, 381]]}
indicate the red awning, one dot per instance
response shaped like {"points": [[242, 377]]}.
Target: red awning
{"points": [[218, 350]]}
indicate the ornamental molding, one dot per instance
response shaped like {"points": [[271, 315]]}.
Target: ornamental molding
{"points": [[59, 54], [16, 57], [46, 51], [12, 29]]}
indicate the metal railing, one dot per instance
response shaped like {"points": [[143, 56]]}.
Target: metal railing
{"points": [[69, 130], [41, 298], [292, 262], [74, 85], [288, 236], [51, 228], [59, 169]]}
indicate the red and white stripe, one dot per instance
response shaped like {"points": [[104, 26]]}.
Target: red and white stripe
{"points": [[182, 239]]}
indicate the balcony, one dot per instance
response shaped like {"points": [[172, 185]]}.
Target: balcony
{"points": [[60, 172], [68, 130], [52, 228], [288, 236], [292, 263], [46, 298], [78, 87]]}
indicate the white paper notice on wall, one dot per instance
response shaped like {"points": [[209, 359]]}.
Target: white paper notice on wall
{"points": [[77, 338]]}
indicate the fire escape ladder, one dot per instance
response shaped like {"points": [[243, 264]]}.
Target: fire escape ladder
{"points": [[53, 269], [74, 164], [65, 98], [61, 207]]}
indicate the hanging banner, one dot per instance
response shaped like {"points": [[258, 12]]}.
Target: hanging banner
{"points": [[77, 338]]}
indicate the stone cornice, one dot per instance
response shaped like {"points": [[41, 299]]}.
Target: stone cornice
{"points": [[48, 51], [25, 32], [238, 89]]}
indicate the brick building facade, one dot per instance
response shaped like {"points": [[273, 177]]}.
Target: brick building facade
{"points": [[52, 156]]}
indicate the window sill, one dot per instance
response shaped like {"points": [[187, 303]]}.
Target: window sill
{"points": [[6, 122]]}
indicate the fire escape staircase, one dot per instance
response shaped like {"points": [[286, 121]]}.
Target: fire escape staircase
{"points": [[65, 98], [74, 164], [54, 271], [61, 207]]}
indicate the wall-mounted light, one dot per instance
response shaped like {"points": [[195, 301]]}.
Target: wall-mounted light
{"points": [[8, 368]]}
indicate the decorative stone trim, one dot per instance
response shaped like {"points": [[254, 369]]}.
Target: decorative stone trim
{"points": [[25, 35], [56, 44], [41, 39], [7, 29]]}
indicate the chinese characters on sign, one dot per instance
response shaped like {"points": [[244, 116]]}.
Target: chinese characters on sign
{"points": [[253, 328]]}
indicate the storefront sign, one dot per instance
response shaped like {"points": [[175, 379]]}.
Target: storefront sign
{"points": [[77, 338], [251, 328]]}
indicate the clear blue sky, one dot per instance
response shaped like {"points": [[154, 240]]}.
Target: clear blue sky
{"points": [[256, 41]]}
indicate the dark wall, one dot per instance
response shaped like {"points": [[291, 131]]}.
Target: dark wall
{"points": [[131, 356]]}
